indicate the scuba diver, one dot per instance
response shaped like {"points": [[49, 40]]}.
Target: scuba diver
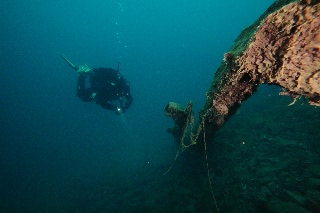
{"points": [[108, 87]]}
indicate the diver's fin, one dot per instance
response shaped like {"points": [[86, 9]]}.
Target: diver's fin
{"points": [[69, 62]]}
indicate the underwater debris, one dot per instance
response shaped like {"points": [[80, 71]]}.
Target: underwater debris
{"points": [[182, 118]]}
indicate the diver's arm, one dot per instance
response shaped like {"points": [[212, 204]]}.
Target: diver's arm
{"points": [[82, 92], [128, 102], [108, 105], [127, 97]]}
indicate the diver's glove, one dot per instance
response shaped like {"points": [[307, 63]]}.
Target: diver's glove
{"points": [[83, 69]]}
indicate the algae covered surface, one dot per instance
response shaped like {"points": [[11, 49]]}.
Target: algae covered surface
{"points": [[280, 48]]}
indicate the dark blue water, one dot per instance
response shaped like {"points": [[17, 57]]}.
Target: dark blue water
{"points": [[58, 154]]}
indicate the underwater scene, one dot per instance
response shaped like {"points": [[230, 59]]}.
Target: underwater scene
{"points": [[76, 139]]}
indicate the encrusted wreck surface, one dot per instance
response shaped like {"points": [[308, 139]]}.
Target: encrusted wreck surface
{"points": [[281, 48]]}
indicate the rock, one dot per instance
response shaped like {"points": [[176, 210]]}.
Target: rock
{"points": [[265, 191], [314, 183], [296, 197], [273, 187], [313, 200], [314, 169], [285, 207]]}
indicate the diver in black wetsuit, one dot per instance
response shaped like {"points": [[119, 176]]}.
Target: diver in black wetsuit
{"points": [[108, 87]]}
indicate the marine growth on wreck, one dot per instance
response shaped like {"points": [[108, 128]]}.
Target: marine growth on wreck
{"points": [[280, 48]]}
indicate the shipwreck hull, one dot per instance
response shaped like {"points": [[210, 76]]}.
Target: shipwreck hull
{"points": [[281, 48]]}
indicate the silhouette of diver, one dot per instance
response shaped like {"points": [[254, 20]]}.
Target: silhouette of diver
{"points": [[108, 87]]}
